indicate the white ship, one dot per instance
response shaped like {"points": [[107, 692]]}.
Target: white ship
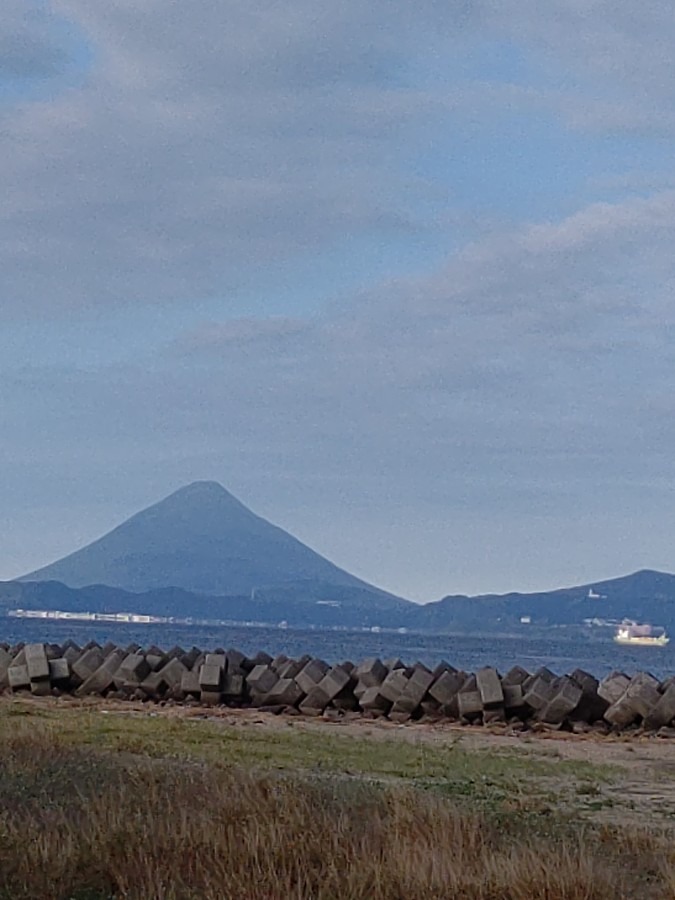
{"points": [[635, 635]]}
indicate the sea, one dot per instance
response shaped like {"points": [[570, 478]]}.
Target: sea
{"points": [[560, 653]]}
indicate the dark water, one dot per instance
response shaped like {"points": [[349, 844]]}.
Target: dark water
{"points": [[598, 656]]}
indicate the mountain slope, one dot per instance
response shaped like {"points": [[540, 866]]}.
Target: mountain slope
{"points": [[203, 540]]}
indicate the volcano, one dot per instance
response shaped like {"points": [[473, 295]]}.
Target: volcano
{"points": [[203, 540]]}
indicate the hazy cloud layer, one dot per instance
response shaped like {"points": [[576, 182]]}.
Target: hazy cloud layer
{"points": [[498, 413]]}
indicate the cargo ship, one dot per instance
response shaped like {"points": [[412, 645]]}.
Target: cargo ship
{"points": [[641, 635]]}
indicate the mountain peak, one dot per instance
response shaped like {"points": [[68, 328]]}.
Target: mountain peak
{"points": [[201, 488], [201, 539]]}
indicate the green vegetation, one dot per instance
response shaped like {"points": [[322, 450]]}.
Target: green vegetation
{"points": [[98, 805]]}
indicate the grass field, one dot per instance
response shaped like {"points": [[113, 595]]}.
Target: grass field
{"points": [[96, 803]]}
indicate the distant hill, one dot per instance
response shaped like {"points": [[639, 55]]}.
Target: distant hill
{"points": [[646, 596], [349, 607], [202, 540]]}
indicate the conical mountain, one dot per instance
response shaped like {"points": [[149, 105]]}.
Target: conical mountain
{"points": [[200, 539]]}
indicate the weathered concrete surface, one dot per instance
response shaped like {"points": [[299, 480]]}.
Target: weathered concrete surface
{"points": [[567, 697], [261, 679], [88, 662], [371, 672], [613, 686], [394, 684], [211, 676], [490, 688], [36, 662], [334, 681], [469, 704], [663, 711], [19, 679], [311, 674], [446, 687]]}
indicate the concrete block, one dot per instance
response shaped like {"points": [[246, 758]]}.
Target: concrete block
{"points": [[168, 678], [489, 688], [371, 672], [18, 678], [513, 697], [663, 712], [290, 669], [393, 685], [311, 674], [315, 702], [637, 701], [469, 704], [190, 658], [359, 690], [442, 667], [190, 683], [103, 679], [373, 699], [210, 677], [622, 713], [541, 675], [216, 659], [37, 662], [278, 661], [59, 672], [394, 663], [5, 661], [613, 686], [53, 651], [88, 662], [236, 662], [286, 692], [334, 681], [643, 691], [261, 680], [592, 706], [538, 692], [415, 691], [233, 686], [565, 700], [155, 661], [445, 688], [72, 654], [515, 675], [134, 669], [261, 659]]}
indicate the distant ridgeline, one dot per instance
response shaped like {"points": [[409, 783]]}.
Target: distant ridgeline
{"points": [[201, 554], [644, 596]]}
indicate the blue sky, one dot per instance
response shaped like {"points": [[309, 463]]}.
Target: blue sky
{"points": [[400, 276]]}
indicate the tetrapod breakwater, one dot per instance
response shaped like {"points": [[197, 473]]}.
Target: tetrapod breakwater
{"points": [[371, 688]]}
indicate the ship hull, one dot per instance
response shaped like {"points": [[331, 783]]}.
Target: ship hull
{"points": [[642, 641]]}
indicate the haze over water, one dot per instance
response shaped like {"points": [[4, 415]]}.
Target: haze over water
{"points": [[599, 657]]}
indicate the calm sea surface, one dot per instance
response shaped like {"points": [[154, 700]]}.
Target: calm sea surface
{"points": [[469, 653]]}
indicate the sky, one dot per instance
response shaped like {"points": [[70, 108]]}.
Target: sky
{"points": [[398, 275]]}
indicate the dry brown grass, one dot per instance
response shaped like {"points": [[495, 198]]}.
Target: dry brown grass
{"points": [[79, 824]]}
